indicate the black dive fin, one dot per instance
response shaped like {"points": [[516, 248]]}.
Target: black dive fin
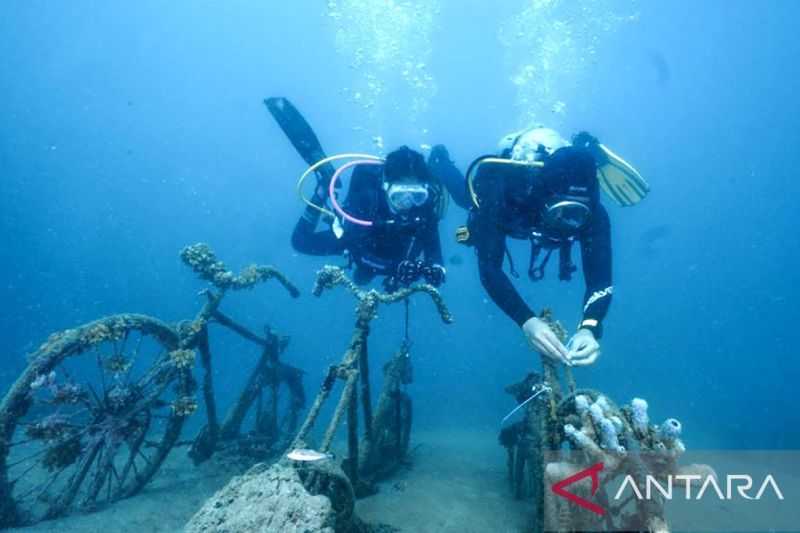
{"points": [[299, 132]]}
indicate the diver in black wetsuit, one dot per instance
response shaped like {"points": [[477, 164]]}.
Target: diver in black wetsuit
{"points": [[400, 198], [548, 193]]}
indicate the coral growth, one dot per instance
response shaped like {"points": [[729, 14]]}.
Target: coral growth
{"points": [[283, 498], [598, 432], [639, 417], [184, 406], [182, 358], [201, 258], [669, 430], [330, 276], [625, 443], [263, 500]]}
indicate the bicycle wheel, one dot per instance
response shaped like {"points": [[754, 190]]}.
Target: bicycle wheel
{"points": [[92, 417]]}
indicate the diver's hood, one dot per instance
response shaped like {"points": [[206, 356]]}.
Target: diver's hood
{"points": [[405, 162], [571, 171]]}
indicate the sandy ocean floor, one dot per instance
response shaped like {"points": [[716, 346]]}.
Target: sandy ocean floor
{"points": [[458, 484]]}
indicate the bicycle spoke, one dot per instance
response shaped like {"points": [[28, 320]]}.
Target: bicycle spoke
{"points": [[122, 343], [98, 401], [135, 449], [51, 482], [99, 359], [20, 443], [112, 473], [139, 451], [43, 486], [134, 358], [71, 491], [103, 465], [26, 471], [35, 455]]}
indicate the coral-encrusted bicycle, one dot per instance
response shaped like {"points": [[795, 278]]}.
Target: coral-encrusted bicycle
{"points": [[100, 406]]}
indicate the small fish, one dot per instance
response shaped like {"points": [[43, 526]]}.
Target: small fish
{"points": [[651, 241], [456, 259], [559, 108], [307, 455], [660, 66]]}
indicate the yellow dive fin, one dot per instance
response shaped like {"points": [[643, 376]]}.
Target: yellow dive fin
{"points": [[619, 180]]}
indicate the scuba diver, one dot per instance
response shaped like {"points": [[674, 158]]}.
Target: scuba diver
{"points": [[618, 179], [399, 200], [388, 223], [544, 190]]}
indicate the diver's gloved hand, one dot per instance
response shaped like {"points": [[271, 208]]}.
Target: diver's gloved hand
{"points": [[408, 272], [542, 339], [583, 348], [584, 139], [434, 274], [439, 155], [589, 142]]}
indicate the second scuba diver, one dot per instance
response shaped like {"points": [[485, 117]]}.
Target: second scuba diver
{"points": [[544, 190], [388, 224]]}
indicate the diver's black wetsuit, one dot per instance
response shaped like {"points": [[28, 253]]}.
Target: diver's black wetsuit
{"points": [[510, 206], [378, 249]]}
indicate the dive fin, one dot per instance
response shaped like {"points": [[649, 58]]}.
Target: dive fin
{"points": [[299, 132], [619, 180]]}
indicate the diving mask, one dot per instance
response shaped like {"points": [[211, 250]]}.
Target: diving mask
{"points": [[404, 196], [566, 215]]}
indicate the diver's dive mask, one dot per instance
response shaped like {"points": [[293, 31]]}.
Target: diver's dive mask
{"points": [[566, 215], [403, 196]]}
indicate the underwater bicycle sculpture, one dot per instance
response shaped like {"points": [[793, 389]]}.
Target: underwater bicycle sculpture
{"points": [[387, 432], [595, 431], [99, 407]]}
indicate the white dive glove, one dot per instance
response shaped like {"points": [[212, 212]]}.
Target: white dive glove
{"points": [[583, 348], [542, 339]]}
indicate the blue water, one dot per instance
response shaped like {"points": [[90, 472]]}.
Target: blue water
{"points": [[130, 130]]}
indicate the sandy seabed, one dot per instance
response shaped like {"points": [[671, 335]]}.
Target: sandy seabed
{"points": [[457, 483]]}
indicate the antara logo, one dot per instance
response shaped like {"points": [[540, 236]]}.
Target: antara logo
{"points": [[593, 472], [736, 486], [741, 482]]}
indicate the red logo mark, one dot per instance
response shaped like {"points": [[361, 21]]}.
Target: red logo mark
{"points": [[593, 472]]}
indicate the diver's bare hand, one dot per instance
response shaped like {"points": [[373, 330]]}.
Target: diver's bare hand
{"points": [[583, 348], [542, 339]]}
